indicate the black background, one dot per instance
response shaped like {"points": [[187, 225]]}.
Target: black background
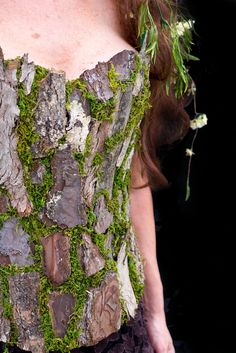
{"points": [[195, 238]]}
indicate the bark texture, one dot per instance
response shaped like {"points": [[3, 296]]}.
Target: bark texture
{"points": [[11, 172], [65, 230], [24, 288]]}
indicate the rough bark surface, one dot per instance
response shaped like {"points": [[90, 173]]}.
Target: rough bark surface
{"points": [[104, 217], [134, 250], [14, 243], [102, 311], [4, 325], [126, 289], [79, 120], [64, 205], [61, 308], [38, 172], [89, 256], [121, 115], [50, 117], [27, 74], [4, 203], [11, 172], [24, 291], [56, 257], [64, 201]]}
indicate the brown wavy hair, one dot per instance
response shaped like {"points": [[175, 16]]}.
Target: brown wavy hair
{"points": [[166, 121]]}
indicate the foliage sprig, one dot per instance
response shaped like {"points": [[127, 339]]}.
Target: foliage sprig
{"points": [[180, 34]]}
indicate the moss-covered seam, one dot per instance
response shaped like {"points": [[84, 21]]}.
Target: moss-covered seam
{"points": [[5, 273], [98, 109], [27, 136], [137, 285], [113, 75], [81, 156], [140, 104]]}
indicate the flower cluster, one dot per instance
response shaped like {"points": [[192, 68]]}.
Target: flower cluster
{"points": [[198, 122], [182, 26]]}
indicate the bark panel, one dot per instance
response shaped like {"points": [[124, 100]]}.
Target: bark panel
{"points": [[24, 290], [56, 257], [102, 312], [11, 172]]}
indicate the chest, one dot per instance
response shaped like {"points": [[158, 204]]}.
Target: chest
{"points": [[72, 43]]}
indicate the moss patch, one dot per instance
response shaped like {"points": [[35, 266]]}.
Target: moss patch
{"points": [[137, 285], [98, 159], [5, 272], [99, 110], [25, 125], [113, 76], [140, 104], [27, 136]]}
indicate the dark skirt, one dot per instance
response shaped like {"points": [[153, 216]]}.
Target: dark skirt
{"points": [[131, 338]]}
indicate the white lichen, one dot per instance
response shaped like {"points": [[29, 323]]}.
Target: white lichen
{"points": [[78, 128], [126, 289]]}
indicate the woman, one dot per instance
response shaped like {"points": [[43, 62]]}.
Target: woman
{"points": [[73, 36]]}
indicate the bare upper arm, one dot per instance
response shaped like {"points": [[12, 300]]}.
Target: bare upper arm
{"points": [[138, 172]]}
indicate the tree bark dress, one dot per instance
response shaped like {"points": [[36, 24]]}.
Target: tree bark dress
{"points": [[71, 275]]}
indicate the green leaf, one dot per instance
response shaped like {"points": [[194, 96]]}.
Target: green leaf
{"points": [[192, 57], [187, 192]]}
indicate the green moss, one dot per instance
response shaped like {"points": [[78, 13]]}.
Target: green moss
{"points": [[25, 125], [140, 104], [137, 285], [114, 140], [91, 217], [5, 272], [5, 348], [3, 191], [62, 140], [6, 215], [3, 218], [35, 228], [4, 292], [98, 159], [80, 158], [124, 316], [27, 136], [38, 192], [122, 84], [87, 148], [99, 110], [112, 76], [103, 110]]}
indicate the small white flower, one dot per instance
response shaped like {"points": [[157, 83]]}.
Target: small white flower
{"points": [[198, 122], [183, 26], [189, 152]]}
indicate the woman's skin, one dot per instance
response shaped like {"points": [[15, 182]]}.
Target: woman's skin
{"points": [[73, 35]]}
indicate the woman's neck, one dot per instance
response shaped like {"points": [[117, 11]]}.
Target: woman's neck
{"points": [[71, 35]]}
